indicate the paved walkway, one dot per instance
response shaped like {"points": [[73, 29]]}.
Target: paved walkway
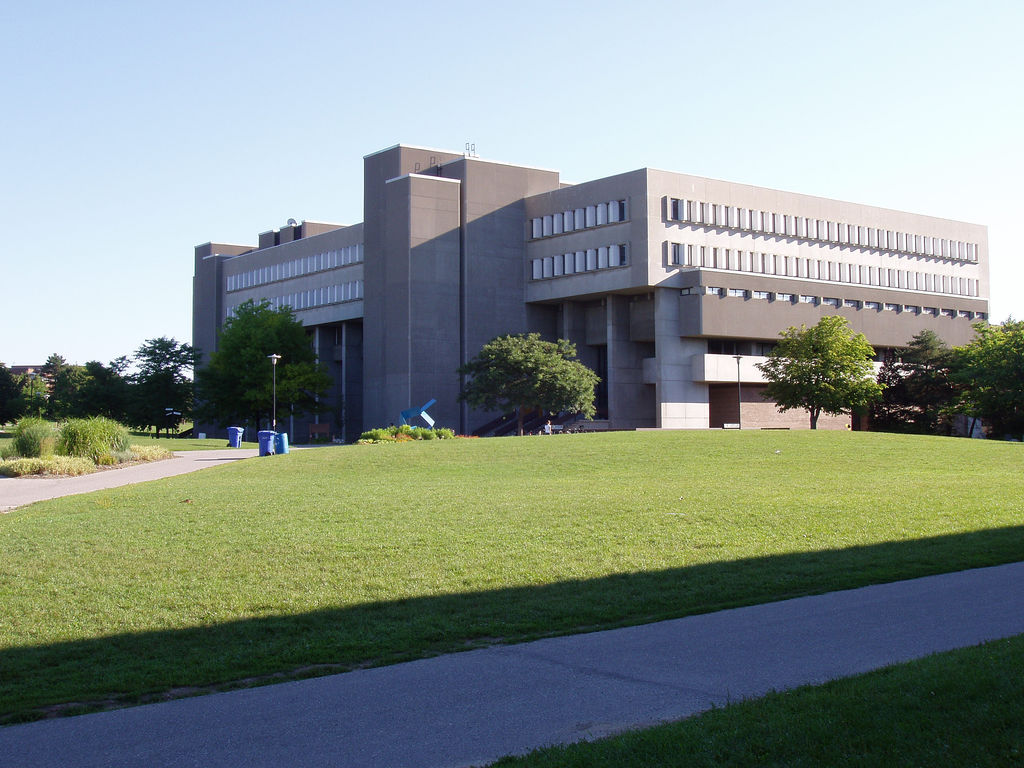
{"points": [[472, 708], [19, 491]]}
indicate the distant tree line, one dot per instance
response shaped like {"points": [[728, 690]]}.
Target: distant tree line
{"points": [[152, 389]]}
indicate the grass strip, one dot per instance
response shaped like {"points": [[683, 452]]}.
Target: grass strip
{"points": [[346, 556], [963, 707]]}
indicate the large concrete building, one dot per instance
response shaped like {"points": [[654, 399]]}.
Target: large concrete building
{"points": [[661, 279]]}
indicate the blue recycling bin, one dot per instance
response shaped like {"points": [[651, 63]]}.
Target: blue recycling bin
{"points": [[235, 437], [281, 442], [266, 440]]}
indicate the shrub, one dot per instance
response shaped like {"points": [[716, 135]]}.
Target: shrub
{"points": [[403, 433], [49, 465], [92, 438], [147, 453], [33, 438]]}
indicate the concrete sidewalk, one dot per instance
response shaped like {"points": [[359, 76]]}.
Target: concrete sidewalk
{"points": [[472, 708], [19, 491]]}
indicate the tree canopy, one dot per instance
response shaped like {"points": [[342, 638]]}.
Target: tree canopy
{"points": [[236, 385], [825, 369], [522, 371], [162, 389], [990, 373], [10, 390], [917, 387]]}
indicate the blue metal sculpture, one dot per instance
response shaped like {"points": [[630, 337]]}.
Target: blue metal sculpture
{"points": [[411, 413]]}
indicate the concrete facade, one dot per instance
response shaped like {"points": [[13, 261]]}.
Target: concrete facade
{"points": [[659, 278]]}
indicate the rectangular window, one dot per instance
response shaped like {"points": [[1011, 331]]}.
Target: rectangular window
{"points": [[591, 217], [784, 297], [570, 263], [591, 259], [559, 265], [738, 293], [602, 213], [547, 226], [602, 257], [912, 309], [851, 303], [713, 291], [581, 261], [808, 299], [549, 266], [764, 295], [830, 301], [744, 218], [579, 219], [557, 221], [567, 221], [872, 305], [892, 307]]}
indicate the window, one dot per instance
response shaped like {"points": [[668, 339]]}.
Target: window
{"points": [[933, 311], [784, 297], [712, 291], [830, 301], [963, 313], [948, 313], [872, 305], [738, 293], [764, 295], [809, 300], [912, 309], [892, 307], [851, 303]]}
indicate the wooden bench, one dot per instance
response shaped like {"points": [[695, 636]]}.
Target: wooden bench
{"points": [[319, 429]]}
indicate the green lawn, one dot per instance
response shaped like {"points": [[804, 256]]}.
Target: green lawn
{"points": [[962, 708], [345, 556]]}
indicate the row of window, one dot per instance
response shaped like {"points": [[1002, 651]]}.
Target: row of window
{"points": [[315, 297], [305, 265], [580, 261], [831, 301], [690, 255], [578, 218], [841, 233]]}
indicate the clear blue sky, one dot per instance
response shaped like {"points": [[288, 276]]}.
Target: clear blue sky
{"points": [[131, 131]]}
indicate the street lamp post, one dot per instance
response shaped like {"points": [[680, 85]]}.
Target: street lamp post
{"points": [[273, 413], [739, 394]]}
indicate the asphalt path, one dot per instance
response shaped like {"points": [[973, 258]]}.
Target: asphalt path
{"points": [[18, 491], [472, 708]]}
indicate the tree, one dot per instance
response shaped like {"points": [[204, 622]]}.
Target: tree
{"points": [[65, 392], [990, 373], [522, 371], [824, 369], [10, 403], [235, 387], [105, 391], [917, 388], [161, 387]]}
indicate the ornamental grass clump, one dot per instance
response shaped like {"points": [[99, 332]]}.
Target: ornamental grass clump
{"points": [[95, 438], [33, 438], [47, 465]]}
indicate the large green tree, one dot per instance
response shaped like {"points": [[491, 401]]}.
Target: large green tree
{"points": [[990, 373], [522, 371], [236, 386], [917, 388], [161, 386], [10, 390], [824, 369]]}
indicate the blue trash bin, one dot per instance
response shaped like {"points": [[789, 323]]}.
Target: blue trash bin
{"points": [[281, 442], [235, 437], [266, 440]]}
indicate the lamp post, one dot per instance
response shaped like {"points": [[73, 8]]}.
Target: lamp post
{"points": [[739, 393], [273, 413]]}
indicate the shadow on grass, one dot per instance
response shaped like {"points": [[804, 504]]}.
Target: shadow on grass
{"points": [[130, 668]]}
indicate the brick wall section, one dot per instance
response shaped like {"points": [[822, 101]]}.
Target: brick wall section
{"points": [[759, 413]]}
